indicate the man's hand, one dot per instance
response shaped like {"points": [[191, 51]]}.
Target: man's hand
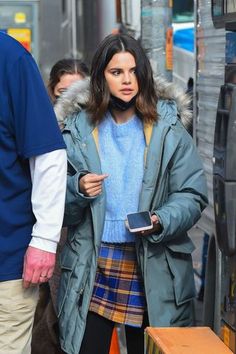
{"points": [[91, 184], [38, 266]]}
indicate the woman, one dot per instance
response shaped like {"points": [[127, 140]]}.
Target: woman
{"points": [[63, 74], [127, 152]]}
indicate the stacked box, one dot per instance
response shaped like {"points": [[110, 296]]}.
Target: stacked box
{"points": [[183, 340]]}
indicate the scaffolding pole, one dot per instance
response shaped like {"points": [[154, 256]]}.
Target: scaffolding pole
{"points": [[156, 35]]}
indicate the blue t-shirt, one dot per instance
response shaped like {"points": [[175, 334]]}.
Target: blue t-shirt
{"points": [[28, 128]]}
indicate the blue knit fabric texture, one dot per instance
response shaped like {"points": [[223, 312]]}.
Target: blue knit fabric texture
{"points": [[121, 150]]}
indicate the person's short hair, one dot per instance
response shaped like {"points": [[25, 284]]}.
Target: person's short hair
{"points": [[99, 99], [65, 66]]}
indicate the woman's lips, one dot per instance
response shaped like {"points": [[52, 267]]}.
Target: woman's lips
{"points": [[126, 91]]}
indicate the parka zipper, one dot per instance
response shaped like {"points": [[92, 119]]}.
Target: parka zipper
{"points": [[81, 296], [81, 290], [159, 163], [151, 199]]}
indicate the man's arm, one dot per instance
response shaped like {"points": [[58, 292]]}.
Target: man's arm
{"points": [[48, 174]]}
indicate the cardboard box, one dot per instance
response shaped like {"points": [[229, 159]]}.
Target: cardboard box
{"points": [[183, 340]]}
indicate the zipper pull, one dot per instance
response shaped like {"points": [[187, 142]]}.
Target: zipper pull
{"points": [[81, 293]]}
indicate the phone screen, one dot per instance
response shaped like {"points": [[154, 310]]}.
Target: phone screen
{"points": [[139, 220]]}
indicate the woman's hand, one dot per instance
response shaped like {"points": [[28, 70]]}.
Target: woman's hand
{"points": [[91, 184], [156, 227]]}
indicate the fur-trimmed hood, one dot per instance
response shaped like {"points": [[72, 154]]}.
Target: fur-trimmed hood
{"points": [[72, 100], [76, 98]]}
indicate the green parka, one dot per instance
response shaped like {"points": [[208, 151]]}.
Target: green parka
{"points": [[173, 187]]}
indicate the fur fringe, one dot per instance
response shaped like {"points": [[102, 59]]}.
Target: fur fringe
{"points": [[72, 100], [76, 98]]}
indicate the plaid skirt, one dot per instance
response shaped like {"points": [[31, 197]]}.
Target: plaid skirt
{"points": [[118, 293]]}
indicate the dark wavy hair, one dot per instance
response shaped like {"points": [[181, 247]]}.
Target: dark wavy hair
{"points": [[99, 93], [65, 66]]}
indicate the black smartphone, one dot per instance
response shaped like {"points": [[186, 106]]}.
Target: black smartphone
{"points": [[140, 221]]}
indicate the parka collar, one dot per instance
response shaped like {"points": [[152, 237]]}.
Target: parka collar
{"points": [[76, 97], [167, 116], [81, 127], [79, 124]]}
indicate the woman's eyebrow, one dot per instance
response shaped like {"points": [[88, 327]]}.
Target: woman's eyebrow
{"points": [[119, 68]]}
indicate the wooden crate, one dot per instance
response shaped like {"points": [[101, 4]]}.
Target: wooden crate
{"points": [[183, 340]]}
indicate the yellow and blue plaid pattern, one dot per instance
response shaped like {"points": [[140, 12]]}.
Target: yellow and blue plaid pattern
{"points": [[118, 293]]}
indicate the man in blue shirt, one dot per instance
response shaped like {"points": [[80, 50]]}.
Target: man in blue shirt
{"points": [[32, 192]]}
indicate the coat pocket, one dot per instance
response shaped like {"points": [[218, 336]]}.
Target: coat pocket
{"points": [[181, 267], [68, 262]]}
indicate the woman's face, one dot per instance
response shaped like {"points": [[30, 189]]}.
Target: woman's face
{"points": [[65, 81], [120, 75]]}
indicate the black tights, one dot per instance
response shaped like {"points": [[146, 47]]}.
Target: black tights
{"points": [[98, 333]]}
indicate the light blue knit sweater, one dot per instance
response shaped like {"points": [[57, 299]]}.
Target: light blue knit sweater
{"points": [[121, 150]]}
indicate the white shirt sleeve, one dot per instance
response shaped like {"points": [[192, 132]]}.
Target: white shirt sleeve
{"points": [[48, 174]]}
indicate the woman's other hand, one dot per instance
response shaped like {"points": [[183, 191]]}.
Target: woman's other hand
{"points": [[91, 184], [157, 228]]}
